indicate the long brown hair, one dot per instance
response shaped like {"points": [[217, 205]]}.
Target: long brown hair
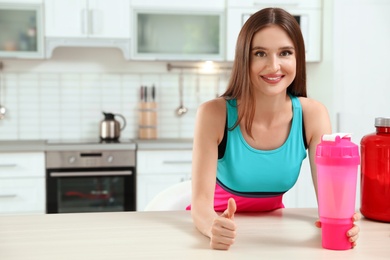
{"points": [[239, 86]]}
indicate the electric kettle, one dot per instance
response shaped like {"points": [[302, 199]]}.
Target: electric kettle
{"points": [[110, 128]]}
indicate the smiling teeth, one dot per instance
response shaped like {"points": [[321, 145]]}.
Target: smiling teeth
{"points": [[273, 78]]}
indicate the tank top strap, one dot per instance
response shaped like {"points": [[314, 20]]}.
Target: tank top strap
{"points": [[232, 112]]}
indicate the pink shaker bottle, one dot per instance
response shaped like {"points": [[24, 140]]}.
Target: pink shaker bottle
{"points": [[337, 160]]}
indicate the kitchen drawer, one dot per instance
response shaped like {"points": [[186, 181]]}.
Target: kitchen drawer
{"points": [[22, 165], [164, 161], [22, 195]]}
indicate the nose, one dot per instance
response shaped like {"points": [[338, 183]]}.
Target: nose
{"points": [[273, 63]]}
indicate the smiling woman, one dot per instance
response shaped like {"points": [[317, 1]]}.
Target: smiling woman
{"points": [[249, 143]]}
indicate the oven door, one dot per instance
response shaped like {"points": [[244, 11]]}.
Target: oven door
{"points": [[90, 190]]}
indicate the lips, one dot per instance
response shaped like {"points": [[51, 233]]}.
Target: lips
{"points": [[272, 79]]}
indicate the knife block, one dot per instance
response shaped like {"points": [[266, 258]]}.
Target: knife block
{"points": [[147, 120]]}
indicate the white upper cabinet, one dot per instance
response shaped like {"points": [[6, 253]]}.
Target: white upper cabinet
{"points": [[91, 23], [87, 18], [180, 4], [21, 30], [308, 14], [178, 30]]}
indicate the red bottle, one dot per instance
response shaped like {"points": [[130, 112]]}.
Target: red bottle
{"points": [[375, 172]]}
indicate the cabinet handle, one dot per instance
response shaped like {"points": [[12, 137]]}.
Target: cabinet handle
{"points": [[7, 196], [84, 21], [8, 165], [185, 179], [91, 22], [177, 162], [90, 174]]}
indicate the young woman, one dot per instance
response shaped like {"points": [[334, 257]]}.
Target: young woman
{"points": [[250, 142]]}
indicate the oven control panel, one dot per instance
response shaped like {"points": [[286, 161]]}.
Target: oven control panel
{"points": [[87, 159]]}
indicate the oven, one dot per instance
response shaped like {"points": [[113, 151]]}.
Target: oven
{"points": [[90, 180]]}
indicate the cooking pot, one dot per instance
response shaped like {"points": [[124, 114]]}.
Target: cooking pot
{"points": [[110, 128]]}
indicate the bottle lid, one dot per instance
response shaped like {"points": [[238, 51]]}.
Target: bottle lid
{"points": [[108, 116], [337, 149], [382, 122]]}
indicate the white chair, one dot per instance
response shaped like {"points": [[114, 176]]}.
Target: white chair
{"points": [[176, 197]]}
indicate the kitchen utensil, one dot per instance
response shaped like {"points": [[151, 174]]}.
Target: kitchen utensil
{"points": [[153, 93], [3, 110], [181, 110], [142, 93], [217, 86], [110, 128], [197, 89]]}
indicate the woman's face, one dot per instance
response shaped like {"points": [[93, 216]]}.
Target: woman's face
{"points": [[272, 61]]}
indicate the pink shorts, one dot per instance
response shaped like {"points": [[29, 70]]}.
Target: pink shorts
{"points": [[244, 204]]}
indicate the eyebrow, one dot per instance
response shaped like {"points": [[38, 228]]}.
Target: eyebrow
{"points": [[265, 49]]}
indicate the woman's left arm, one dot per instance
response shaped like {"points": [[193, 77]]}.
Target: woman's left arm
{"points": [[317, 123]]}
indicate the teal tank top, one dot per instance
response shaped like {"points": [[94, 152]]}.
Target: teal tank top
{"points": [[250, 172]]}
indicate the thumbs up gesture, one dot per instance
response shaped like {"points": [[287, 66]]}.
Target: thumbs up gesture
{"points": [[223, 229], [231, 209]]}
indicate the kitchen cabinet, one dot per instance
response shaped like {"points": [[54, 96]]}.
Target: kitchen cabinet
{"points": [[204, 5], [87, 18], [92, 23], [308, 14], [158, 170], [22, 183], [178, 30], [21, 27]]}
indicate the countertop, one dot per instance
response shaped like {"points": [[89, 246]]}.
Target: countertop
{"points": [[139, 144], [281, 234], [22, 145], [164, 144]]}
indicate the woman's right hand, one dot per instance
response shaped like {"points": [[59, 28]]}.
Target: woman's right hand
{"points": [[223, 230]]}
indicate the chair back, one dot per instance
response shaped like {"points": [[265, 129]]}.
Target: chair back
{"points": [[176, 197]]}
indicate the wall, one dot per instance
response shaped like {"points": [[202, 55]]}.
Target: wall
{"points": [[361, 64], [361, 77], [63, 98]]}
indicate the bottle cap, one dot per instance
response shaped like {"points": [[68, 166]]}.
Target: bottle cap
{"points": [[337, 149], [382, 121]]}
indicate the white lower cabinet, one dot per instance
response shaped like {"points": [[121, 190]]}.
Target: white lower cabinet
{"points": [[25, 195], [22, 183], [158, 170]]}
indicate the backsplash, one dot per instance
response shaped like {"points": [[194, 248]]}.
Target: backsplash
{"points": [[53, 104]]}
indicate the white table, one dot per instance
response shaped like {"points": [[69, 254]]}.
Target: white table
{"points": [[281, 234]]}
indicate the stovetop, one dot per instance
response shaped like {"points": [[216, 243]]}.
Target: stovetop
{"points": [[88, 141], [90, 144]]}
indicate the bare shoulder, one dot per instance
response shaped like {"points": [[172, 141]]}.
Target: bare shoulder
{"points": [[316, 118], [213, 108], [211, 120], [311, 106]]}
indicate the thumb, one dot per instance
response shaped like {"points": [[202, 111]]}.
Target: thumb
{"points": [[231, 209]]}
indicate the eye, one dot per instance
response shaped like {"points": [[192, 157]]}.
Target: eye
{"points": [[286, 53], [260, 54]]}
